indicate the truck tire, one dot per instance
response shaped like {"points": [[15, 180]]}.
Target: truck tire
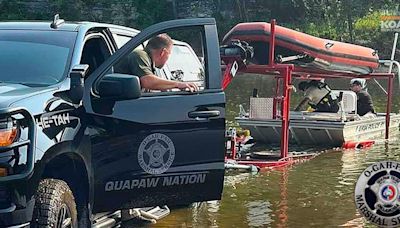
{"points": [[54, 205]]}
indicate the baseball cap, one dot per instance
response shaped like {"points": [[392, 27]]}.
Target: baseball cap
{"points": [[358, 81]]}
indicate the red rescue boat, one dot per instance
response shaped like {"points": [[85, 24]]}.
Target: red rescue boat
{"points": [[304, 50]]}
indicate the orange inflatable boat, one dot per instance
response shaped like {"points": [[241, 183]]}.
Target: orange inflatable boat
{"points": [[304, 50]]}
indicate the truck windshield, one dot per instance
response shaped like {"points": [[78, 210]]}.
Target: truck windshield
{"points": [[35, 58]]}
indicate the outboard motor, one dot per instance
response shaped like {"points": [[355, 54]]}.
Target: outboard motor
{"points": [[237, 48], [235, 56]]}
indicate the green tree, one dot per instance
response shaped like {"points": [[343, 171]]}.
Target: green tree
{"points": [[368, 32]]}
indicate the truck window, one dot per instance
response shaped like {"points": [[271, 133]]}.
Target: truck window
{"points": [[35, 58], [184, 63], [95, 52], [120, 40], [183, 58]]}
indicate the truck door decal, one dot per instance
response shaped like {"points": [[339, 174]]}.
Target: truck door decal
{"points": [[156, 153], [56, 120], [156, 182]]}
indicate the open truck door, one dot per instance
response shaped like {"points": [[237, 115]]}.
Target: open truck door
{"points": [[156, 148]]}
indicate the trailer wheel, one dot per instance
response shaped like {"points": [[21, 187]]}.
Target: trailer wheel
{"points": [[54, 205]]}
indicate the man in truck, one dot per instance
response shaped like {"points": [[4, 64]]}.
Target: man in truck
{"points": [[142, 63]]}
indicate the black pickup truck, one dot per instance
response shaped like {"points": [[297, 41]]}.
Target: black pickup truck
{"points": [[79, 139]]}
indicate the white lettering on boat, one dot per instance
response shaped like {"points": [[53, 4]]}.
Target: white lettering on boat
{"points": [[372, 126]]}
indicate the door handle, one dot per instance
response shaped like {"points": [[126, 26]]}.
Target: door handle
{"points": [[203, 114]]}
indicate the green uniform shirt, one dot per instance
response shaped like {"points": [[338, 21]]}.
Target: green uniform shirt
{"points": [[138, 63]]}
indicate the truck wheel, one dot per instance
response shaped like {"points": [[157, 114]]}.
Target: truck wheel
{"points": [[54, 205]]}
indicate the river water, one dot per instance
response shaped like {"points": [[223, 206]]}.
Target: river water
{"points": [[316, 193]]}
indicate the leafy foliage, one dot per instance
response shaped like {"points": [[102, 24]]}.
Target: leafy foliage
{"points": [[355, 21]]}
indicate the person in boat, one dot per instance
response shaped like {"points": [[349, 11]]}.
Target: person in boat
{"points": [[142, 63], [318, 96], [365, 106]]}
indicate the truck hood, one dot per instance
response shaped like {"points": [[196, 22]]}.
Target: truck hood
{"points": [[10, 93]]}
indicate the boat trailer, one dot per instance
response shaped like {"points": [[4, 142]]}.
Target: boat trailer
{"points": [[234, 56]]}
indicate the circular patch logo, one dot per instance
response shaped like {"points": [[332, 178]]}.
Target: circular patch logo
{"points": [[377, 193], [156, 153], [388, 193]]}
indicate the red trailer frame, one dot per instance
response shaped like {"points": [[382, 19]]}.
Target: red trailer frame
{"points": [[283, 75]]}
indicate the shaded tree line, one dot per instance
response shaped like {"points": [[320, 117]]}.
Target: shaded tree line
{"points": [[354, 21]]}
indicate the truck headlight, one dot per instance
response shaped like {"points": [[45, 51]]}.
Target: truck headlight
{"points": [[9, 131]]}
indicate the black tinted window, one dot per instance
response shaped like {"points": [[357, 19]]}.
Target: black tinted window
{"points": [[35, 57]]}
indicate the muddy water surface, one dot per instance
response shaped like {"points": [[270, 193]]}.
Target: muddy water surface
{"points": [[316, 193]]}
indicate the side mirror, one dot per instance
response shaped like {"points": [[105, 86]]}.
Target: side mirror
{"points": [[119, 87], [77, 75], [75, 92]]}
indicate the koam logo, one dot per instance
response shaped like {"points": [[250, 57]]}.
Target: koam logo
{"points": [[390, 23]]}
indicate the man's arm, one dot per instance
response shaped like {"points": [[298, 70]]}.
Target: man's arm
{"points": [[153, 82], [140, 65]]}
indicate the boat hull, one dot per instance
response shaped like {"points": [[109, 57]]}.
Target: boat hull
{"points": [[327, 55], [315, 132]]}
